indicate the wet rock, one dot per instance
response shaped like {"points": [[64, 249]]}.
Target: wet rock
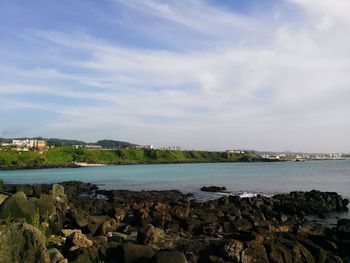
{"points": [[213, 188], [17, 206], [22, 241]]}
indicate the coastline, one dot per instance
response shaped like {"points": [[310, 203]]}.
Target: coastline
{"points": [[81, 165], [90, 225]]}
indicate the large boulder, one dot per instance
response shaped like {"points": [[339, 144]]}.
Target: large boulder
{"points": [[17, 206], [22, 243]]}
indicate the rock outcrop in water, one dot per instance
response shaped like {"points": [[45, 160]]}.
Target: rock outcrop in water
{"points": [[167, 226]]}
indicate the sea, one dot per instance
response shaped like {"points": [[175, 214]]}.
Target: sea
{"points": [[244, 179]]}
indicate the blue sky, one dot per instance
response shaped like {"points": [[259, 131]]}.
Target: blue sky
{"points": [[201, 74]]}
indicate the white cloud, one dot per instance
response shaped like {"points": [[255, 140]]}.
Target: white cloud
{"points": [[286, 88]]}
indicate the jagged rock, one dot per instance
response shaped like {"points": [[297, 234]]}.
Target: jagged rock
{"points": [[78, 240], [19, 242], [79, 217], [68, 232], [108, 225], [255, 252], [150, 235], [231, 250], [168, 256], [17, 206]]}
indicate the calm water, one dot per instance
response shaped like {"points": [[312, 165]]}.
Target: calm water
{"points": [[240, 178]]}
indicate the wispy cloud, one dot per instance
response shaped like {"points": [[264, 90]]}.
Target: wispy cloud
{"points": [[239, 80]]}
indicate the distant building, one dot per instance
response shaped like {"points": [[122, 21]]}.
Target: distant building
{"points": [[146, 147], [234, 151], [93, 146], [30, 144]]}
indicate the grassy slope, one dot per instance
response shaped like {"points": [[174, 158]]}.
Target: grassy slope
{"points": [[65, 156]]}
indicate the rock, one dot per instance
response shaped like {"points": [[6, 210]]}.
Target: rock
{"points": [[78, 240], [343, 226], [180, 212], [25, 188], [1, 185], [17, 205], [99, 240], [231, 250], [129, 252], [79, 217], [168, 256], [56, 256], [68, 232], [3, 197], [150, 235], [22, 241], [37, 190], [213, 188], [117, 236], [57, 190], [254, 253], [107, 226]]}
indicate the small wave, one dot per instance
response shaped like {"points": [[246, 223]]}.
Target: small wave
{"points": [[246, 194]]}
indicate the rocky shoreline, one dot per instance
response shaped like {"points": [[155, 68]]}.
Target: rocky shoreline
{"points": [[77, 222]]}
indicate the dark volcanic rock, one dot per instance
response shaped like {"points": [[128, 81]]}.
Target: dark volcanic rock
{"points": [[213, 188], [167, 226]]}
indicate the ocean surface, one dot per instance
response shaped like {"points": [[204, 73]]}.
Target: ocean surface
{"points": [[239, 178]]}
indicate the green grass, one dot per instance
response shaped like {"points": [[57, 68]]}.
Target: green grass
{"points": [[65, 156]]}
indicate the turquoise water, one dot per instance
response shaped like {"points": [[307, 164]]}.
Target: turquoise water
{"points": [[240, 178]]}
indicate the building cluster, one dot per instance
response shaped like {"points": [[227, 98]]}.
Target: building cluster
{"points": [[25, 145], [304, 156]]}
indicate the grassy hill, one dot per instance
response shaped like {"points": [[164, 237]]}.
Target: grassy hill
{"points": [[66, 156]]}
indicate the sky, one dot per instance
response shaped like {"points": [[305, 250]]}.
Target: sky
{"points": [[200, 74]]}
